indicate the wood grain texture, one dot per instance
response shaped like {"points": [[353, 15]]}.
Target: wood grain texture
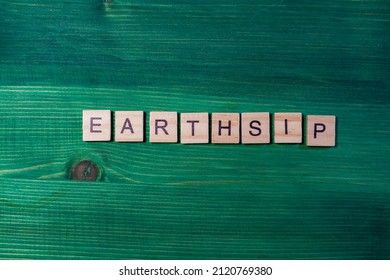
{"points": [[173, 201]]}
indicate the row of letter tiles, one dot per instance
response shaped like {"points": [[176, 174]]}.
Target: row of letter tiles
{"points": [[254, 128]]}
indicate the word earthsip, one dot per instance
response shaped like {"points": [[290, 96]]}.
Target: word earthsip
{"points": [[226, 128]]}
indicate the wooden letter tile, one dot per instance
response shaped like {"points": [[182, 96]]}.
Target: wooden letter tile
{"points": [[226, 128], [321, 131], [96, 125], [288, 128], [194, 128], [129, 126], [255, 128], [163, 127]]}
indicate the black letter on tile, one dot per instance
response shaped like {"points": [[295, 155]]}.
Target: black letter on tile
{"points": [[255, 127], [220, 127], [285, 127], [323, 127], [156, 126], [127, 125], [92, 124], [193, 126]]}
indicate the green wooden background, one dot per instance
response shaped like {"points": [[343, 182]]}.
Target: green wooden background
{"points": [[173, 201]]}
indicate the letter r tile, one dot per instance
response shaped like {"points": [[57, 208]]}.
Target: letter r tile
{"points": [[163, 127], [255, 128]]}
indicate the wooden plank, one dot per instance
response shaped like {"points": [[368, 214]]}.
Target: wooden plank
{"points": [[173, 201]]}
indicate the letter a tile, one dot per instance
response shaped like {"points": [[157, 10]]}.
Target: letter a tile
{"points": [[129, 126]]}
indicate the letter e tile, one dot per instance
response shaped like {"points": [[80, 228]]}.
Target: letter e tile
{"points": [[96, 125]]}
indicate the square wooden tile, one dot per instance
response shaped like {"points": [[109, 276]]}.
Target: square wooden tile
{"points": [[96, 125], [255, 128], [288, 128], [129, 126], [163, 127], [321, 131], [194, 128], [225, 128]]}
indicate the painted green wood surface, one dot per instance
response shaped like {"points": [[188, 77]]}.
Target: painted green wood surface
{"points": [[171, 201]]}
